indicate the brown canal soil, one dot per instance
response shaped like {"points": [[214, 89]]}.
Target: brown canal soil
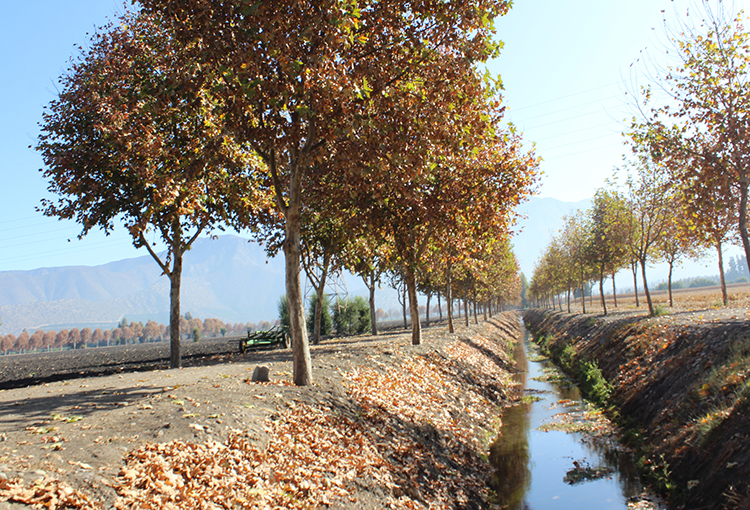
{"points": [[681, 383], [386, 424]]}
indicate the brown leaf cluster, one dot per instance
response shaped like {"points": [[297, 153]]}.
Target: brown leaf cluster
{"points": [[312, 455], [46, 493], [413, 434]]}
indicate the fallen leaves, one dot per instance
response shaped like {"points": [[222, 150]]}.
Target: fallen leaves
{"points": [[50, 494], [410, 428]]}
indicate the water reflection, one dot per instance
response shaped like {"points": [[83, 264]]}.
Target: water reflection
{"points": [[534, 467], [511, 457]]}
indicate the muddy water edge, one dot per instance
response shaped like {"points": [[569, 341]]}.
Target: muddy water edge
{"points": [[543, 457]]}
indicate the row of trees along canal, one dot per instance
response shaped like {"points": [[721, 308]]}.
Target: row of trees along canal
{"points": [[685, 188], [347, 134]]}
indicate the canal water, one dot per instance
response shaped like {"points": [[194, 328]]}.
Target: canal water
{"points": [[539, 468]]}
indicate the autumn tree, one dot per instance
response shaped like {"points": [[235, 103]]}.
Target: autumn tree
{"points": [[8, 343], [710, 221], [137, 136], [647, 191], [61, 339], [74, 338], [22, 342], [607, 248], [368, 254], [49, 339], [693, 118], [97, 337], [576, 238], [37, 339], [86, 335], [300, 74]]}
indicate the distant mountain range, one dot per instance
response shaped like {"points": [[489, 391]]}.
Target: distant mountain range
{"points": [[228, 278]]}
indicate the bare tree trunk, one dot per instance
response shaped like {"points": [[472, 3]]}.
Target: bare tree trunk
{"points": [[724, 295], [466, 309], [302, 363], [320, 295], [568, 299], [743, 217], [669, 283], [403, 304], [583, 297], [449, 299], [175, 280], [601, 291], [634, 268], [440, 307], [411, 285], [645, 288], [373, 318], [614, 290], [427, 312]]}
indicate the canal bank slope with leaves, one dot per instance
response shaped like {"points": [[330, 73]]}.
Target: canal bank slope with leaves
{"points": [[386, 425], [679, 384]]}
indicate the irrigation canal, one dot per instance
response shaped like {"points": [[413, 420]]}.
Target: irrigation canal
{"points": [[540, 467]]}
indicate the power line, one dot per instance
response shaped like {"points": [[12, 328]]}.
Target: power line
{"points": [[566, 133], [565, 97], [579, 142], [582, 152], [47, 254], [574, 107]]}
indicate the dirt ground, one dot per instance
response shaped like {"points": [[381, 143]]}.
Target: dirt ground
{"points": [[206, 436]]}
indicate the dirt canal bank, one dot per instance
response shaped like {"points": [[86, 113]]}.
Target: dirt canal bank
{"points": [[386, 425], [680, 383]]}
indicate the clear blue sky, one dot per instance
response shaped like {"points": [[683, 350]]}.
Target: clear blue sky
{"points": [[562, 68]]}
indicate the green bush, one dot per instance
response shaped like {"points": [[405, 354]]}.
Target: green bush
{"points": [[284, 311], [702, 282], [741, 279], [326, 323], [351, 316], [363, 314], [679, 284], [660, 310], [196, 335]]}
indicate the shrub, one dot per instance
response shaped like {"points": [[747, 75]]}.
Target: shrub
{"points": [[326, 323], [702, 282], [196, 335], [660, 310], [283, 311], [363, 314], [351, 316], [679, 284]]}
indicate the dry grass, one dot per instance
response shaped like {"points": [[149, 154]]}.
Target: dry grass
{"points": [[685, 300]]}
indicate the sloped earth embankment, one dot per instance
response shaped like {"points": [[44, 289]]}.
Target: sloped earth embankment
{"points": [[386, 425], [681, 385]]}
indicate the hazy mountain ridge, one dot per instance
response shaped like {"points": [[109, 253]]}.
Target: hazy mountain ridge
{"points": [[228, 278]]}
